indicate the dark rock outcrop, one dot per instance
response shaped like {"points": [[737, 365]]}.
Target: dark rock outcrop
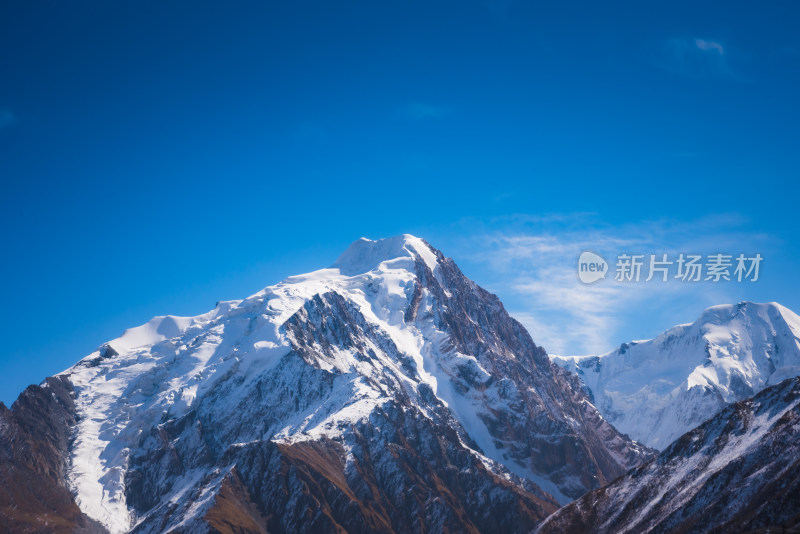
{"points": [[34, 444]]}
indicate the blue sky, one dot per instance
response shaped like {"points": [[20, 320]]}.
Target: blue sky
{"points": [[156, 158]]}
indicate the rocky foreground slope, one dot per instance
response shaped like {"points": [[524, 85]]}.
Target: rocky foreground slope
{"points": [[737, 472]]}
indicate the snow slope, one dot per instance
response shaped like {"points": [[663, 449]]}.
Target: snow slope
{"points": [[656, 390]]}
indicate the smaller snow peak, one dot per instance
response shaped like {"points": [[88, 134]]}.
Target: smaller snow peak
{"points": [[365, 255], [725, 313]]}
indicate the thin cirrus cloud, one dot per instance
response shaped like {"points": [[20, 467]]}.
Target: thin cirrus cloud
{"points": [[694, 57], [533, 267]]}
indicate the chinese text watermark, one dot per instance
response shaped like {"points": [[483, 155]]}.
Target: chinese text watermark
{"points": [[665, 267]]}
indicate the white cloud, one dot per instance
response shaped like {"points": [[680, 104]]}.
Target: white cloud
{"points": [[694, 57], [709, 46], [532, 265]]}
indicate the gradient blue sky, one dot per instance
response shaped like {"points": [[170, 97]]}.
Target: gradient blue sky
{"points": [[157, 157]]}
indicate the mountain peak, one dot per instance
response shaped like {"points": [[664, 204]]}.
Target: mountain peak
{"points": [[390, 349], [365, 255], [655, 390], [725, 313]]}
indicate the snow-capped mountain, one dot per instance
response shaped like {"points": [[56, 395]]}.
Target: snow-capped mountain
{"points": [[656, 390], [385, 393], [737, 472]]}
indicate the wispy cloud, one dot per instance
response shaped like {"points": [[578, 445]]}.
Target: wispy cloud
{"points": [[709, 46], [533, 265], [694, 57], [7, 118], [422, 111]]}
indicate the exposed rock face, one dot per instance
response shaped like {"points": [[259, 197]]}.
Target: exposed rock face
{"points": [[737, 472], [388, 393], [34, 441], [416, 479], [537, 416]]}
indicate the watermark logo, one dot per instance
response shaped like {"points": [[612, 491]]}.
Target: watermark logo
{"points": [[663, 267], [591, 267]]}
